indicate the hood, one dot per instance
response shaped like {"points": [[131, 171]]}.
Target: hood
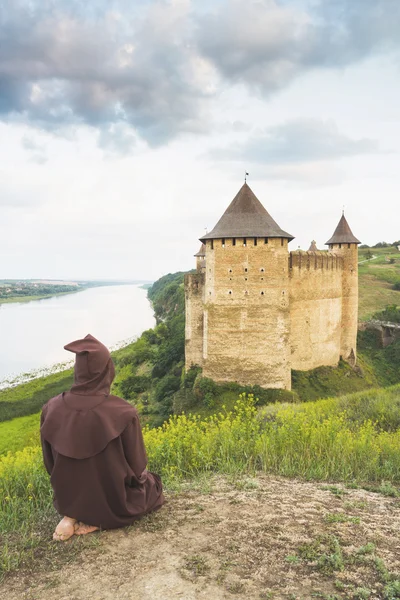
{"points": [[94, 369]]}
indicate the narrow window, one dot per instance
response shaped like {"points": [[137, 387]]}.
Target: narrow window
{"points": [[223, 242], [340, 245], [266, 241], [282, 240], [262, 269], [244, 241], [262, 293], [234, 242], [255, 241], [245, 278], [230, 292], [348, 245], [245, 269], [230, 270], [212, 244]]}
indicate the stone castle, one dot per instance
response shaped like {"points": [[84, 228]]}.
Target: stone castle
{"points": [[255, 311]]}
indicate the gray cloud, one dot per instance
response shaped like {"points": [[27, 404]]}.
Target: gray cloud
{"points": [[266, 44], [69, 63], [58, 68], [297, 141]]}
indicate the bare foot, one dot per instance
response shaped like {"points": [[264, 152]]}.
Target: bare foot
{"points": [[83, 529], [65, 529]]}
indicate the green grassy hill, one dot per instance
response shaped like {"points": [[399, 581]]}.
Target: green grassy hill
{"points": [[334, 425], [378, 277], [149, 372]]}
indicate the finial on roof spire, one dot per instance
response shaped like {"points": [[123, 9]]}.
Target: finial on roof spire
{"points": [[245, 176], [343, 210]]}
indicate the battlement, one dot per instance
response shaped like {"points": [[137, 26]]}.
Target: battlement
{"points": [[237, 243], [321, 259]]}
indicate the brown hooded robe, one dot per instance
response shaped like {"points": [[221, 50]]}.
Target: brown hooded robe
{"points": [[93, 447]]}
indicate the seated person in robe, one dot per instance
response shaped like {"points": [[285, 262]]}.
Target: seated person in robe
{"points": [[93, 450]]}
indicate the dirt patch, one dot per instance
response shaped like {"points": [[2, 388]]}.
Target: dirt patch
{"points": [[253, 539]]}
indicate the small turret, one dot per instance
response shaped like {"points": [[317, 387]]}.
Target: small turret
{"points": [[201, 259], [313, 247], [345, 244]]}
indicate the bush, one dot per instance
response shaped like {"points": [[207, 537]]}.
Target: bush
{"points": [[166, 387], [189, 376], [204, 386], [390, 313], [134, 385]]}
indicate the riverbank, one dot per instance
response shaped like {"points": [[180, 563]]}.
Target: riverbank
{"points": [[23, 299]]}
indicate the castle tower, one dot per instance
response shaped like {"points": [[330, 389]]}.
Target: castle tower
{"points": [[200, 259], [246, 319], [345, 244], [313, 247]]}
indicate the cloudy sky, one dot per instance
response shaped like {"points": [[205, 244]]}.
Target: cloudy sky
{"points": [[126, 127]]}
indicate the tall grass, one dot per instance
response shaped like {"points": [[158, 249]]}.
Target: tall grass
{"points": [[19, 433], [355, 438]]}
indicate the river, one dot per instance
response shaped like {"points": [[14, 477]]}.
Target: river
{"points": [[33, 334]]}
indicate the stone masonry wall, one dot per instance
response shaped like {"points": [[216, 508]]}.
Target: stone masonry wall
{"points": [[194, 292], [315, 309], [246, 312]]}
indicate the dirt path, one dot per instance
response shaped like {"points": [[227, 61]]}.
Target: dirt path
{"points": [[261, 538]]}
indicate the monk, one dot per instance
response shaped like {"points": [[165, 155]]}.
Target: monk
{"points": [[93, 450]]}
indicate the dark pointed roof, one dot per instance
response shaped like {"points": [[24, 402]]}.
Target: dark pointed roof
{"points": [[313, 247], [246, 217], [202, 251], [343, 234]]}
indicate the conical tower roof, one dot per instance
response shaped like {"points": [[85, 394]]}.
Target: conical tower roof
{"points": [[202, 251], [313, 247], [343, 234], [246, 217]]}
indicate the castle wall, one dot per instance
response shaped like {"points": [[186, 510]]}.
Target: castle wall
{"points": [[246, 312], [194, 291], [315, 309]]}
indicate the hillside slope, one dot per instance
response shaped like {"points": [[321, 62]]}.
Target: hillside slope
{"points": [[256, 538]]}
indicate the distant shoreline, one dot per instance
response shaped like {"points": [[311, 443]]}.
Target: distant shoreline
{"points": [[24, 299]]}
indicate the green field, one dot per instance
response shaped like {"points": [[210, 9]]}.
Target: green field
{"points": [[376, 280]]}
